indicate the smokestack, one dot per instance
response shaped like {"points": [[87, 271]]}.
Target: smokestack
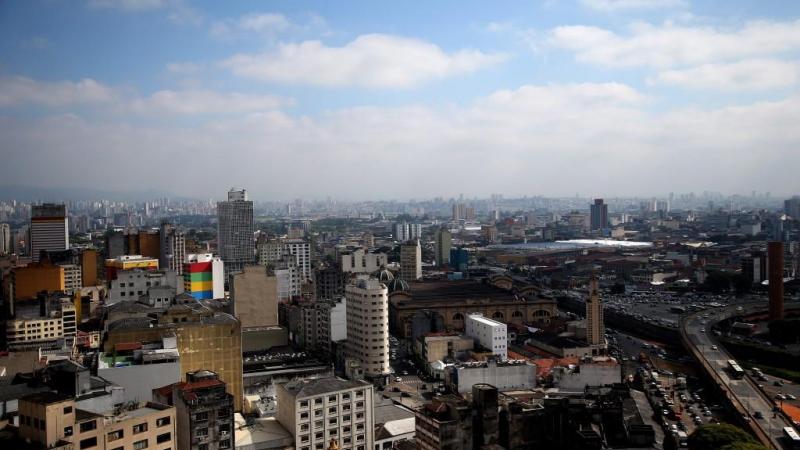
{"points": [[775, 265]]}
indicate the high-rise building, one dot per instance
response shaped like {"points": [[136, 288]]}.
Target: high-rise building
{"points": [[254, 296], [599, 215], [173, 248], [459, 259], [235, 231], [49, 229], [282, 252], [775, 268], [595, 328], [791, 207], [203, 411], [410, 261], [368, 324], [5, 239], [317, 411], [89, 267], [400, 232], [444, 241], [203, 276], [362, 261]]}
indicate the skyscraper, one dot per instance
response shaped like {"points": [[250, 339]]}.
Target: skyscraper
{"points": [[775, 269], [173, 248], [599, 214], [595, 329], [49, 229], [791, 207], [368, 324], [5, 239], [411, 261], [444, 241], [235, 231]]}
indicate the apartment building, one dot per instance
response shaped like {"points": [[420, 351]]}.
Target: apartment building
{"points": [[315, 411]]}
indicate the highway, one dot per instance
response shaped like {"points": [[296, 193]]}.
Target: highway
{"points": [[745, 395]]}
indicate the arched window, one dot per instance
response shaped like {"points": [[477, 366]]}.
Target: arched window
{"points": [[497, 315], [458, 316], [516, 314]]}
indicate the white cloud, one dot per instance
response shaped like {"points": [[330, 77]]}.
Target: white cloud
{"points": [[373, 60], [265, 24], [749, 74], [618, 5], [535, 140], [205, 102], [670, 45], [21, 91], [184, 68], [25, 91], [129, 5]]}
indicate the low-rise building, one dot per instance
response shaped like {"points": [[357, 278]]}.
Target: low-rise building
{"points": [[505, 375], [141, 367], [490, 334], [131, 285], [53, 421]]}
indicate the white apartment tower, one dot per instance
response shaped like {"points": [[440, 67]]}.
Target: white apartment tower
{"points": [[235, 231], [595, 329], [411, 261], [281, 252], [490, 334], [368, 324], [173, 248], [49, 229]]}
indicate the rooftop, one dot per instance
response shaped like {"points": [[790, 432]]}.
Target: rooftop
{"points": [[439, 291], [318, 386]]}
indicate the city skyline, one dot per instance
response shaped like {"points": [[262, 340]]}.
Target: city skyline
{"points": [[602, 97]]}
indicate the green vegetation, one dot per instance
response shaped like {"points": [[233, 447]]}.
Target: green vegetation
{"points": [[785, 331], [787, 374], [722, 436]]}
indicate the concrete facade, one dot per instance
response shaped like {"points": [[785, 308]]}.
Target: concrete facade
{"points": [[254, 295], [490, 334]]}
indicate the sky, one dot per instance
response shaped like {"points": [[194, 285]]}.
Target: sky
{"points": [[362, 100]]}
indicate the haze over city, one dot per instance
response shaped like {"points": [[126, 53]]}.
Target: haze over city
{"points": [[368, 100]]}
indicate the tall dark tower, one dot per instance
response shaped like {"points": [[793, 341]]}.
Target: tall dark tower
{"points": [[775, 265]]}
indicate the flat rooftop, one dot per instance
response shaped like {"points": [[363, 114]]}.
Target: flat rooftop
{"points": [[438, 291]]}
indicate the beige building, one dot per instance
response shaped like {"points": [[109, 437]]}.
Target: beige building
{"points": [[411, 261], [316, 411], [52, 420], [30, 330], [207, 340], [254, 295], [368, 324], [595, 329], [444, 241], [436, 347]]}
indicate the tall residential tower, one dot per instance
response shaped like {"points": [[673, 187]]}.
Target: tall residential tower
{"points": [[49, 229]]}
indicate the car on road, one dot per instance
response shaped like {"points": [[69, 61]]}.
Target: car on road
{"points": [[714, 347], [790, 397], [780, 397]]}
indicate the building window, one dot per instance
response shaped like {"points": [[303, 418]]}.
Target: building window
{"points": [[332, 410], [114, 435], [201, 431], [67, 409], [202, 447], [67, 431], [332, 398], [139, 445], [225, 444], [161, 438], [317, 401], [163, 421], [201, 416], [88, 426], [89, 442], [304, 404], [141, 428]]}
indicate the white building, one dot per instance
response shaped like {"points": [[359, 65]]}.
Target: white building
{"points": [[361, 261], [490, 334], [289, 284], [411, 261], [281, 252], [130, 285], [368, 324], [599, 372], [315, 411], [406, 231], [504, 375]]}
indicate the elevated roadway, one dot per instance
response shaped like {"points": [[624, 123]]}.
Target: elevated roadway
{"points": [[744, 394]]}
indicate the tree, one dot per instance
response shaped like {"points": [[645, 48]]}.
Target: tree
{"points": [[715, 437], [744, 446], [784, 331]]}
